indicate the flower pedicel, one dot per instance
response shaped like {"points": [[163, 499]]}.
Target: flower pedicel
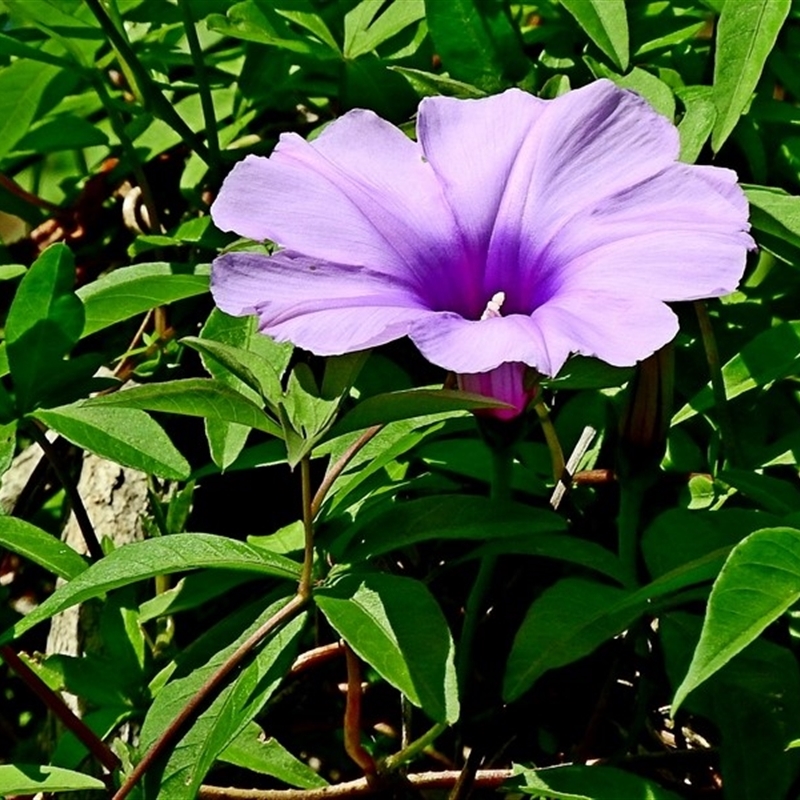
{"points": [[516, 231]]}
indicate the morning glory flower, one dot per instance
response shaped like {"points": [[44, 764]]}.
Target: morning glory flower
{"points": [[514, 232]]}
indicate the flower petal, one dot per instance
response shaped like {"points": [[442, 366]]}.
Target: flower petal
{"points": [[472, 146], [680, 235], [471, 346], [359, 194], [617, 329], [588, 144], [326, 308]]}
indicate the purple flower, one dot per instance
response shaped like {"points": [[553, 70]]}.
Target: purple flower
{"points": [[514, 232]]}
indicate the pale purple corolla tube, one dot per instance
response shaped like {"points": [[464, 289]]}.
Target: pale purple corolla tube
{"points": [[514, 232]]}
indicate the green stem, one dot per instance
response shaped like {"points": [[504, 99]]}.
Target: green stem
{"points": [[118, 126], [413, 749], [71, 490], [304, 589], [551, 438], [502, 470], [717, 381], [630, 507], [151, 94], [206, 101]]}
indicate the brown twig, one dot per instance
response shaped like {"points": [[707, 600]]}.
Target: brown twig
{"points": [[465, 783], [336, 469], [207, 690], [594, 476], [14, 188], [96, 746], [74, 497], [352, 718], [485, 779], [317, 656]]}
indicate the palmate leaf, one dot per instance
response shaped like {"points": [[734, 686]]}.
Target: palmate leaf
{"points": [[163, 556], [759, 582], [397, 627]]}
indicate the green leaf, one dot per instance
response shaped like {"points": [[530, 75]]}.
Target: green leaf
{"points": [[606, 24], [162, 556], [128, 291], [678, 536], [28, 779], [230, 712], [775, 212], [775, 495], [568, 621], [44, 324], [393, 406], [588, 373], [477, 42], [194, 397], [252, 750], [41, 548], [238, 367], [397, 627], [429, 84], [363, 31], [237, 355], [445, 517], [770, 356], [64, 132], [259, 22], [579, 782], [764, 679], [698, 120], [746, 33], [192, 591], [759, 582], [560, 547], [573, 617], [126, 436], [22, 85]]}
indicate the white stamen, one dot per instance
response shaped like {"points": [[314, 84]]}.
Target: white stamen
{"points": [[494, 305]]}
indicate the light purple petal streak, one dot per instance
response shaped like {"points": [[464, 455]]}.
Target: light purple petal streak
{"points": [[572, 216]]}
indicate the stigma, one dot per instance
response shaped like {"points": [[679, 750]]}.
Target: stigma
{"points": [[494, 305]]}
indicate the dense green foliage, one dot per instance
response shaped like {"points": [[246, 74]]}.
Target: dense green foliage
{"points": [[646, 619]]}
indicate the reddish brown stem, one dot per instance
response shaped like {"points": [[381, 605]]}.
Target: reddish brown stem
{"points": [[316, 656], [14, 188], [99, 749], [336, 469], [352, 718], [484, 778], [208, 690]]}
